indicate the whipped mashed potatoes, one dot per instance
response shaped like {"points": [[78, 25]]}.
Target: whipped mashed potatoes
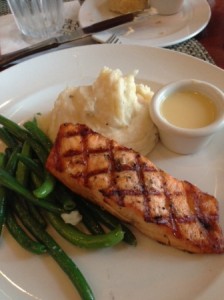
{"points": [[114, 105]]}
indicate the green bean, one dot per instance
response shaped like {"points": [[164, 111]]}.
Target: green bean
{"points": [[78, 238], [38, 134], [2, 159], [109, 220], [32, 164], [41, 153], [2, 196], [21, 237], [36, 214], [10, 165], [46, 187], [11, 183], [7, 138], [49, 181], [90, 221], [22, 172], [12, 161], [2, 207], [63, 260], [7, 153], [35, 180], [24, 135], [64, 197], [14, 129], [129, 236]]}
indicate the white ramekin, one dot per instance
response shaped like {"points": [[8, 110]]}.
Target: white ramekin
{"points": [[167, 7], [184, 140]]}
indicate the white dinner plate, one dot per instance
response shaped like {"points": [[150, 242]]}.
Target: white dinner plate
{"points": [[149, 270], [158, 31]]}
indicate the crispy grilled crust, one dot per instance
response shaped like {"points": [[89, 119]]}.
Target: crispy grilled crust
{"points": [[132, 188]]}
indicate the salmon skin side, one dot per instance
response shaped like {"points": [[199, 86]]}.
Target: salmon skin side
{"points": [[131, 187]]}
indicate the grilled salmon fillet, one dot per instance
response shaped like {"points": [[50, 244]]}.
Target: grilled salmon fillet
{"points": [[132, 188]]}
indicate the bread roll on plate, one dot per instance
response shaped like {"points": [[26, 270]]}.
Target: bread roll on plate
{"points": [[127, 6]]}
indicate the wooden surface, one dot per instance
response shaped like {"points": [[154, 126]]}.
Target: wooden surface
{"points": [[212, 37]]}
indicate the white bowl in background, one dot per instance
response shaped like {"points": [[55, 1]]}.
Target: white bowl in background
{"points": [[167, 7]]}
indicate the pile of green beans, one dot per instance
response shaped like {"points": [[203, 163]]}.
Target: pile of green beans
{"points": [[31, 200]]}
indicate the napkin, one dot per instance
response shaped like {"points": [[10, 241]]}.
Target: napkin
{"points": [[11, 39]]}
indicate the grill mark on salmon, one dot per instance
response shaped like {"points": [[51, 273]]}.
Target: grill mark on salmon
{"points": [[131, 187]]}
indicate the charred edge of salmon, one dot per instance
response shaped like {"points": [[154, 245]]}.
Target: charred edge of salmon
{"points": [[197, 232]]}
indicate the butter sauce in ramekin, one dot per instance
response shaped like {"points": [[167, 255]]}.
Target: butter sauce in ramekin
{"points": [[187, 125]]}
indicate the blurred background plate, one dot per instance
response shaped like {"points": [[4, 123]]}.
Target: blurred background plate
{"points": [[158, 31]]}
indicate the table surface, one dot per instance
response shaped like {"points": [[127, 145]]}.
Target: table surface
{"points": [[212, 37]]}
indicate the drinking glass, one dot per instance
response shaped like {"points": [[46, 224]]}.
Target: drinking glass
{"points": [[38, 18]]}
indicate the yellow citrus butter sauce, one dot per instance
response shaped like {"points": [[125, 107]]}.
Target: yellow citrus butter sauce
{"points": [[188, 109]]}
